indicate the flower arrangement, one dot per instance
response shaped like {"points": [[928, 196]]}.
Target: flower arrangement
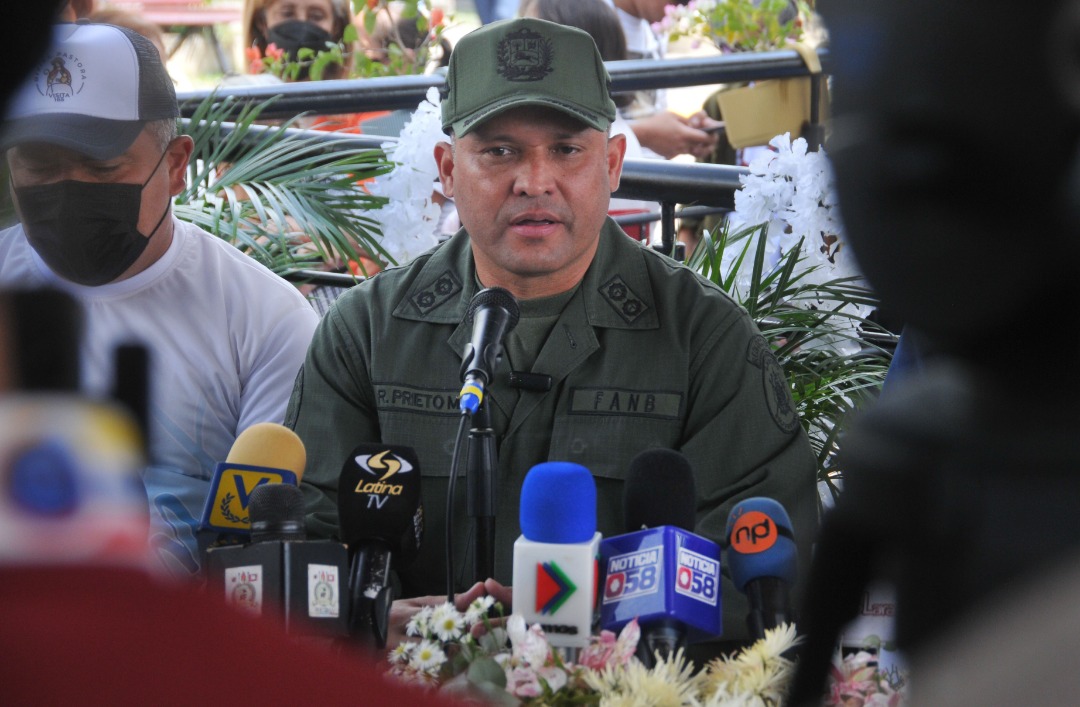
{"points": [[735, 25], [410, 216], [791, 191], [513, 663]]}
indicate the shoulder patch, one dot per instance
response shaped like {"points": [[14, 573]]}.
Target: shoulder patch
{"points": [[757, 349], [777, 394], [622, 299], [436, 292]]}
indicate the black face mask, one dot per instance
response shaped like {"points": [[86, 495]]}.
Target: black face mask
{"points": [[86, 232], [294, 35]]}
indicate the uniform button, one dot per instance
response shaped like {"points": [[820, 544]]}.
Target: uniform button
{"points": [[578, 446]]}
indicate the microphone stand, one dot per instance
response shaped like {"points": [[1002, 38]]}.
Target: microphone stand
{"points": [[481, 465]]}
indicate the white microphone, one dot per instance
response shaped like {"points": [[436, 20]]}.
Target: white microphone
{"points": [[555, 559]]}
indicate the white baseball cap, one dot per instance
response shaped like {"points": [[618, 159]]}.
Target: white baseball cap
{"points": [[94, 91]]}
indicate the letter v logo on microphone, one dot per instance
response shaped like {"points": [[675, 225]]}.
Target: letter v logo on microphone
{"points": [[553, 587]]}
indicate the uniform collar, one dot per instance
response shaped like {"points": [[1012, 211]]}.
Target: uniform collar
{"points": [[616, 289]]}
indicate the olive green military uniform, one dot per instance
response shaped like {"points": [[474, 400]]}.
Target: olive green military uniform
{"points": [[644, 354]]}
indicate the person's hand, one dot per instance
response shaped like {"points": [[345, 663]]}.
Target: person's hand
{"points": [[403, 609], [670, 134]]}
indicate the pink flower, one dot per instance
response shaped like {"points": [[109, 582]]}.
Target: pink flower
{"points": [[274, 52], [605, 649]]}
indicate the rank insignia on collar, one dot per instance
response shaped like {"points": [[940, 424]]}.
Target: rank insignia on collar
{"points": [[624, 301], [437, 292]]}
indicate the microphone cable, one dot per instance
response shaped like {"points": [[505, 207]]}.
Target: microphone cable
{"points": [[465, 418]]}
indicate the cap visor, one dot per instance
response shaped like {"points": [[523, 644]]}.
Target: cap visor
{"points": [[97, 138]]}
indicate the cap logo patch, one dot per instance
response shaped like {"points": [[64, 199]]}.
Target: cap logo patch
{"points": [[523, 56], [61, 77]]}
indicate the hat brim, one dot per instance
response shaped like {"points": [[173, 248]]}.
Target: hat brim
{"points": [[589, 117], [98, 138]]}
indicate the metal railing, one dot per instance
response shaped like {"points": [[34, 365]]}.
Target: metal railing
{"points": [[394, 92]]}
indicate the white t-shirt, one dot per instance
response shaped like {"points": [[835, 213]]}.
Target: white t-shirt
{"points": [[226, 338]]}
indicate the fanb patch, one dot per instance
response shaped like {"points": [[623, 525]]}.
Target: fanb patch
{"points": [[443, 288], [523, 56], [624, 301]]}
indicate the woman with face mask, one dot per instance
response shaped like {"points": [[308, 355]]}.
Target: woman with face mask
{"points": [[292, 25]]}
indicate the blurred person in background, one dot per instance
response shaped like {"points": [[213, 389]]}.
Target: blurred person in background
{"points": [[659, 130], [292, 25], [95, 161]]}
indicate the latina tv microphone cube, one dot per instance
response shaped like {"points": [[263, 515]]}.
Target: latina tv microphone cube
{"points": [[661, 573]]}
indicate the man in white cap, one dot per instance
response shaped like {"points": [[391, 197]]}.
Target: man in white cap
{"points": [[95, 160]]}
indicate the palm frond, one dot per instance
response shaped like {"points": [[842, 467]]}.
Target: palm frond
{"points": [[283, 198]]}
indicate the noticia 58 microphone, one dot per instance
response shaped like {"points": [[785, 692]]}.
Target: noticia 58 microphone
{"points": [[762, 558], [665, 576], [555, 572], [264, 453]]}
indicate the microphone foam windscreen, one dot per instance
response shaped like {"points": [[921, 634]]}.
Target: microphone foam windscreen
{"points": [[495, 297], [276, 504], [760, 542], [659, 490], [558, 504], [270, 445], [379, 498]]}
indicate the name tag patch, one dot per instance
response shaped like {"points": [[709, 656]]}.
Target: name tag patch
{"points": [[621, 401], [393, 396]]}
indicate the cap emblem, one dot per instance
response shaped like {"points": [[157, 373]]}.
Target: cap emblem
{"points": [[61, 78], [524, 56]]}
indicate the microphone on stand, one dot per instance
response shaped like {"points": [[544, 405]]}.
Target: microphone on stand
{"points": [[381, 519], [664, 575], [280, 572], [493, 312], [762, 559], [555, 570]]}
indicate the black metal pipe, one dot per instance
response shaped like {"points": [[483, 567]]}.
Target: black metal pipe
{"points": [[394, 92]]}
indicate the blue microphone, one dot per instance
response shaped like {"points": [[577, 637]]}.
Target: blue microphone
{"points": [[555, 558], [665, 576], [762, 558]]}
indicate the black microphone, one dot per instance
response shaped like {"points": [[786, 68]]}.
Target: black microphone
{"points": [[381, 520], [282, 573], [660, 571], [493, 312]]}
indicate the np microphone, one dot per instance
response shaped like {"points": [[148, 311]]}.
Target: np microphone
{"points": [[493, 312], [280, 573], [381, 519], [555, 571], [664, 575], [264, 453], [762, 558]]}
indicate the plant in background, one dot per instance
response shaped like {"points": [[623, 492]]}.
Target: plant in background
{"points": [[403, 38], [283, 198], [781, 255], [737, 25]]}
